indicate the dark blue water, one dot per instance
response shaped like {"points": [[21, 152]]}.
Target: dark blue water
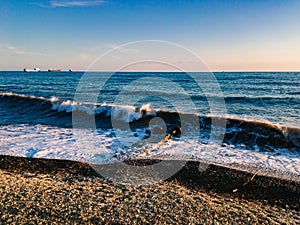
{"points": [[245, 118], [273, 97]]}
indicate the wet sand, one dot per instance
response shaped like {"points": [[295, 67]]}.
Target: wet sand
{"points": [[56, 192]]}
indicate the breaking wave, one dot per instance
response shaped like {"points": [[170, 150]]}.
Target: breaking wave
{"points": [[242, 133]]}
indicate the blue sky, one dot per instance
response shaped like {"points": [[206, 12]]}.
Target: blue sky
{"points": [[227, 35]]}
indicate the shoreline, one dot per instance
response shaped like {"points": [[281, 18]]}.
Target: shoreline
{"points": [[72, 192]]}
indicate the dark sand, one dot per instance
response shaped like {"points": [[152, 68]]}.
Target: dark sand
{"points": [[64, 192]]}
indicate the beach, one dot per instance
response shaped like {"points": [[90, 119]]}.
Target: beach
{"points": [[58, 153], [143, 112], [59, 191]]}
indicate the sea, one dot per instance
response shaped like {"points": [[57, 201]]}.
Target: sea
{"points": [[241, 120]]}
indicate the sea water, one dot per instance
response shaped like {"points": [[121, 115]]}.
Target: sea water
{"points": [[112, 117]]}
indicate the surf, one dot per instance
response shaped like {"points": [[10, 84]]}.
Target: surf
{"points": [[260, 135], [42, 128]]}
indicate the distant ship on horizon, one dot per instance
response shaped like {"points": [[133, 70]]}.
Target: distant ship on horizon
{"points": [[54, 70], [49, 70], [32, 70]]}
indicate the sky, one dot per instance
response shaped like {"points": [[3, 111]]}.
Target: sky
{"points": [[227, 35]]}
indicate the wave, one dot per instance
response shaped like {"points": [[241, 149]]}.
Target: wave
{"points": [[241, 133], [257, 100], [294, 93], [122, 113]]}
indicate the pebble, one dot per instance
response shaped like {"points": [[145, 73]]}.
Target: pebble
{"points": [[27, 174], [94, 200]]}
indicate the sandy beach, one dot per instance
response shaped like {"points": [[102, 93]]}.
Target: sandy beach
{"points": [[55, 192]]}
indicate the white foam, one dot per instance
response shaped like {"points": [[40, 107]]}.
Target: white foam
{"points": [[130, 113], [122, 113], [6, 93], [70, 106], [233, 157], [41, 141]]}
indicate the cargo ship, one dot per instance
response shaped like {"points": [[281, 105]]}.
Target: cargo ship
{"points": [[32, 70], [54, 70]]}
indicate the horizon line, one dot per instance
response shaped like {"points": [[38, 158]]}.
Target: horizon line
{"points": [[164, 71]]}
